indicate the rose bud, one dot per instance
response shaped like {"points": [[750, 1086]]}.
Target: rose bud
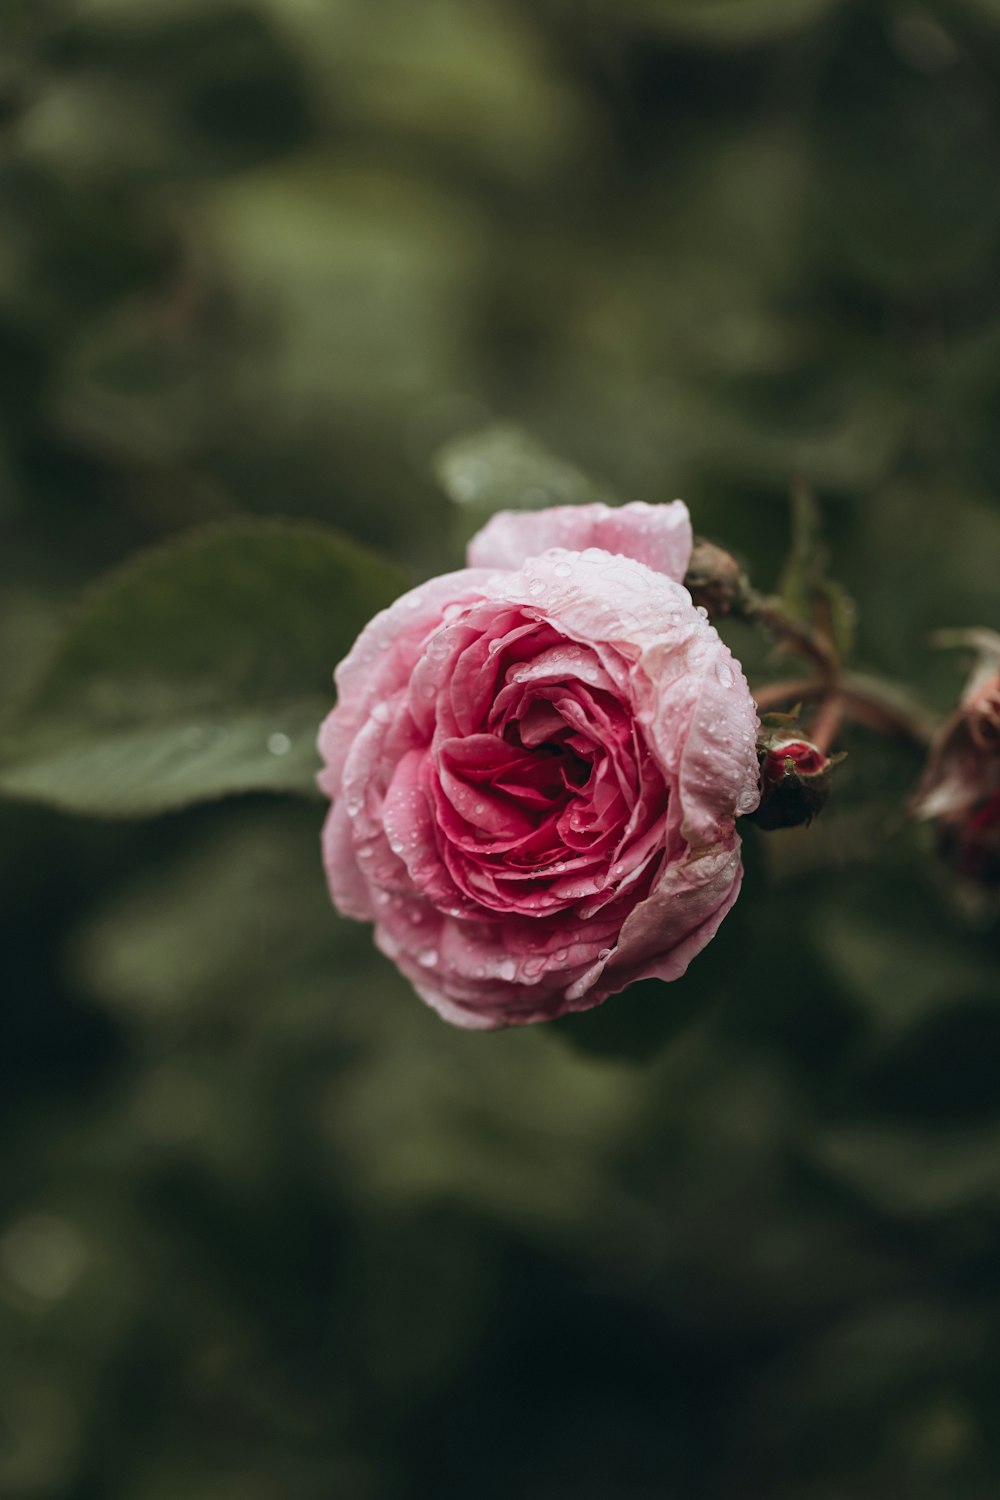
{"points": [[795, 783], [963, 768], [715, 579], [536, 765]]}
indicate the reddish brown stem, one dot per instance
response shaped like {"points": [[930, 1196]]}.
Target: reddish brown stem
{"points": [[795, 634], [877, 705], [796, 690], [887, 709], [826, 725]]}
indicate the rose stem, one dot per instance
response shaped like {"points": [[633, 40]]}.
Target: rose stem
{"points": [[761, 609], [826, 725], [796, 690], [887, 709]]}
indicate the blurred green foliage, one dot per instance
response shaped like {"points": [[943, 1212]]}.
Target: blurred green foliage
{"points": [[268, 1229]]}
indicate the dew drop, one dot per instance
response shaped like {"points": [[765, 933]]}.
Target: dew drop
{"points": [[724, 673], [562, 570], [279, 744], [428, 958], [537, 587], [561, 955], [380, 713], [508, 969]]}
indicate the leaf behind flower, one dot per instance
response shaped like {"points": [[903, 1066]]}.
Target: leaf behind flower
{"points": [[201, 669], [502, 468]]}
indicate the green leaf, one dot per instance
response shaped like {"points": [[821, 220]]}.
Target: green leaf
{"points": [[501, 468], [200, 669]]}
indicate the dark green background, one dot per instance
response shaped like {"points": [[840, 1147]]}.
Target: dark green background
{"points": [[269, 1230]]}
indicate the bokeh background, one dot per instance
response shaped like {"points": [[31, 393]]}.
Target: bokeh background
{"points": [[268, 1229]]}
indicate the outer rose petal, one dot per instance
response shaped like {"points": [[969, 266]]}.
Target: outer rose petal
{"points": [[381, 661], [657, 535]]}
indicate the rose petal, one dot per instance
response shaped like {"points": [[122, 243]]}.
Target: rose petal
{"points": [[657, 535]]}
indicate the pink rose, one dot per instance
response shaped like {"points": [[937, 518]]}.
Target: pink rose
{"points": [[960, 789], [536, 765], [963, 769]]}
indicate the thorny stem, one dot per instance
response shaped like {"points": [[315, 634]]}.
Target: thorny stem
{"points": [[867, 700], [777, 694], [888, 709], [716, 580], [760, 609], [827, 722]]}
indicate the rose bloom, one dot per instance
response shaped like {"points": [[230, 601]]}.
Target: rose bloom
{"points": [[960, 789], [536, 766]]}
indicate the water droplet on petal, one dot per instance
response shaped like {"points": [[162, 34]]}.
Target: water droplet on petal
{"points": [[562, 570], [508, 969], [724, 673], [428, 958]]}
